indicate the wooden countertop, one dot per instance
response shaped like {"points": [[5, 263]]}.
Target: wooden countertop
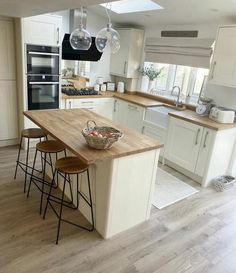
{"points": [[66, 126], [139, 100], [191, 116]]}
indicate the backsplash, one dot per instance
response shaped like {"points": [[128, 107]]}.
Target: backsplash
{"points": [[222, 95]]}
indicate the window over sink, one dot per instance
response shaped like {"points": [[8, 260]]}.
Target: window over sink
{"points": [[189, 79]]}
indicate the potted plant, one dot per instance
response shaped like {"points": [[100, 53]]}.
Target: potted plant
{"points": [[152, 73]]}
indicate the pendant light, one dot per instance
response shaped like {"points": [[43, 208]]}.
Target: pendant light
{"points": [[80, 39], [108, 37]]}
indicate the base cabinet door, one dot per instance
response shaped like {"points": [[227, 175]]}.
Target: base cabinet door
{"points": [[105, 107], [205, 151], [8, 109], [119, 111], [156, 133], [183, 143], [134, 116]]}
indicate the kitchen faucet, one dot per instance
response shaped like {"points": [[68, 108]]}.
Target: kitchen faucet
{"points": [[178, 102]]}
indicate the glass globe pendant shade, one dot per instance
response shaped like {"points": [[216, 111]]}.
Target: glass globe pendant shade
{"points": [[108, 38], [80, 39]]}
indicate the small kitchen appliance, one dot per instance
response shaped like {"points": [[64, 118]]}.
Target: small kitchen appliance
{"points": [[222, 115], [204, 106], [121, 87]]}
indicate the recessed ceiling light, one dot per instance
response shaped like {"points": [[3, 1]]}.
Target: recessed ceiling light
{"points": [[131, 6]]}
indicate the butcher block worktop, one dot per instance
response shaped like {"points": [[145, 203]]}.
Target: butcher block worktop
{"points": [[66, 126], [139, 100], [191, 116]]}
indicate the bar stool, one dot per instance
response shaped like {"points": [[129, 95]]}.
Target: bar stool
{"points": [[47, 147], [70, 166], [31, 133]]}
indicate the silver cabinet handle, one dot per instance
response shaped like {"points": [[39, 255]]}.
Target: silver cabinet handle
{"points": [[205, 140], [198, 132], [143, 128], [132, 107], [43, 53], [51, 83], [115, 105], [84, 102], [213, 70], [70, 104], [58, 35], [125, 67]]}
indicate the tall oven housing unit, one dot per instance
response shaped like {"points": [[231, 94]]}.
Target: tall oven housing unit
{"points": [[43, 76]]}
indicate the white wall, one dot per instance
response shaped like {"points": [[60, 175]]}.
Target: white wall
{"points": [[94, 24]]}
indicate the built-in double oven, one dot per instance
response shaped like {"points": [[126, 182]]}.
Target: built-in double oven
{"points": [[43, 77]]}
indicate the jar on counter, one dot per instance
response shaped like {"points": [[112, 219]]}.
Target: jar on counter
{"points": [[103, 87]]}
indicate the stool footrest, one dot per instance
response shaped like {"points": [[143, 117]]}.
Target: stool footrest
{"points": [[69, 222]]}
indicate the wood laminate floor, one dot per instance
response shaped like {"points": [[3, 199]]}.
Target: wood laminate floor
{"points": [[196, 235]]}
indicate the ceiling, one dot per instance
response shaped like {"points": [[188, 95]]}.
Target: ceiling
{"points": [[24, 8], [174, 12], [179, 12]]}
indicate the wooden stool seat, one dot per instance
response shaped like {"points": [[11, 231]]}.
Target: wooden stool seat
{"points": [[70, 165], [50, 146], [33, 133]]}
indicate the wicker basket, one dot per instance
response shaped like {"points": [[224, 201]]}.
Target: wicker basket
{"points": [[224, 182], [108, 136]]}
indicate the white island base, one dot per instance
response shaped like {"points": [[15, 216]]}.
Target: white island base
{"points": [[122, 190]]}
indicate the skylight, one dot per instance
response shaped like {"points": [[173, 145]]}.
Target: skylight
{"points": [[130, 6]]}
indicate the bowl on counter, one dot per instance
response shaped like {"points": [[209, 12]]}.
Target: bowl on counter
{"points": [[100, 137]]}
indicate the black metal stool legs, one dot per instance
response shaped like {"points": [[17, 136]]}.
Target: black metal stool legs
{"points": [[32, 173], [18, 157], [26, 167], [90, 199], [60, 214]]}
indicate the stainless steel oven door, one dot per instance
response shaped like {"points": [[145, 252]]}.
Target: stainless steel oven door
{"points": [[42, 60], [43, 95]]}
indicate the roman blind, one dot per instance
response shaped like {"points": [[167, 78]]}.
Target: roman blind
{"points": [[193, 52]]}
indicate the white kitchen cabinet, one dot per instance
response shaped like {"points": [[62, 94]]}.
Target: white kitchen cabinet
{"points": [[119, 111], [134, 116], [155, 132], [43, 30], [205, 151], [7, 51], [105, 108], [183, 143], [101, 106], [126, 61], [223, 65], [129, 114], [8, 110], [199, 152]]}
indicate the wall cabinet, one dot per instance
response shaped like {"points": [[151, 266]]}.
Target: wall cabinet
{"points": [[126, 61], [8, 110], [43, 30], [223, 65]]}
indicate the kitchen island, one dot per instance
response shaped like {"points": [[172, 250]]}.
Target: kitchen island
{"points": [[122, 177]]}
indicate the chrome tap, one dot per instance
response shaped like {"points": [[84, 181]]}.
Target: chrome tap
{"points": [[178, 102]]}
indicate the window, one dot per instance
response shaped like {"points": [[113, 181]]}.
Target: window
{"points": [[189, 79]]}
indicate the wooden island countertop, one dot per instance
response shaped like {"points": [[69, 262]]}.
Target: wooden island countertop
{"points": [[66, 126]]}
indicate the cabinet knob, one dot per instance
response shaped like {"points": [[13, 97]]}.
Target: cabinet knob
{"points": [[125, 67]]}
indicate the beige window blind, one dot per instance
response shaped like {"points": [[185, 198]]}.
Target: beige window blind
{"points": [[181, 51]]}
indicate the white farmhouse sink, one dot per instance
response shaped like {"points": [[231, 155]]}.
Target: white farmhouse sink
{"points": [[159, 115]]}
